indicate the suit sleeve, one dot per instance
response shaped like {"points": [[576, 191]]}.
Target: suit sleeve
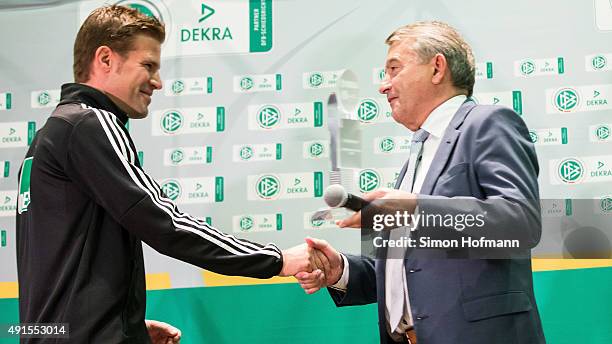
{"points": [[505, 164], [102, 160], [361, 287]]}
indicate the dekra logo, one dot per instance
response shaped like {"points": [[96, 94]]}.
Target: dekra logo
{"points": [[11, 136], [206, 33], [297, 188], [601, 171], [597, 100]]}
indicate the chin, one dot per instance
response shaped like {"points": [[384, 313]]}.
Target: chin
{"points": [[138, 114]]}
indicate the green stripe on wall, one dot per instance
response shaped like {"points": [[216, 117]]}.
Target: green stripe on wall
{"points": [[575, 305], [9, 314], [277, 313]]}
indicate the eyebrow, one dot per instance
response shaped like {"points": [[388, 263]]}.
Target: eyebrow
{"points": [[391, 60], [154, 63]]}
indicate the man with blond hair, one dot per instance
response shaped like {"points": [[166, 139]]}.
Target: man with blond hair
{"points": [[86, 204], [480, 155]]}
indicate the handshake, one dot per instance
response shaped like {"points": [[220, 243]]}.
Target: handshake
{"points": [[314, 264], [317, 264]]}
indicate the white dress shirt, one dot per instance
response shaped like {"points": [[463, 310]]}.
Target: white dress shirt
{"points": [[435, 124]]}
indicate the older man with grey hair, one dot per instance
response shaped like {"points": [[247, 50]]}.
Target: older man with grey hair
{"points": [[460, 150]]}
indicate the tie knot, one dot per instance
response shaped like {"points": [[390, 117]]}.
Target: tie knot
{"points": [[420, 135]]}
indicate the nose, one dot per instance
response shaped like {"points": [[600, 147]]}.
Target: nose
{"points": [[156, 81], [385, 85]]}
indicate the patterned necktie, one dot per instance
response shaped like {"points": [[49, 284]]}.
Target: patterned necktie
{"points": [[395, 282]]}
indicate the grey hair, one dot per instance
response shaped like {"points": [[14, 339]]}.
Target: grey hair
{"points": [[433, 37]]}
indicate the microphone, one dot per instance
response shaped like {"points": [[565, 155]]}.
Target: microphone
{"points": [[336, 196]]}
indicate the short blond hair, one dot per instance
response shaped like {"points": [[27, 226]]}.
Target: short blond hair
{"points": [[433, 37]]}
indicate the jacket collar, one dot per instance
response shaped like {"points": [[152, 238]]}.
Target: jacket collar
{"points": [[73, 93]]}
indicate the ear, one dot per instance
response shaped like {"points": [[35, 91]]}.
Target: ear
{"points": [[440, 67], [103, 59]]}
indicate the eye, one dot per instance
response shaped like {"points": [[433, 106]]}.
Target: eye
{"points": [[148, 66], [391, 71]]}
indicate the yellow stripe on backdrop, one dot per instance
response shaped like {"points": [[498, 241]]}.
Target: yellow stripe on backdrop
{"points": [[9, 290], [212, 279], [156, 281], [568, 264], [215, 280]]}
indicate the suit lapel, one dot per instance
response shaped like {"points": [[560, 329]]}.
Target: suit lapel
{"points": [[446, 147], [382, 263], [440, 158], [439, 161]]}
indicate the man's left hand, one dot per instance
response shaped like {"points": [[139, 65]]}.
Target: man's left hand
{"points": [[407, 203], [162, 333]]}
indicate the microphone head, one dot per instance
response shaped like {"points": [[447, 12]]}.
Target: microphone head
{"points": [[335, 196]]}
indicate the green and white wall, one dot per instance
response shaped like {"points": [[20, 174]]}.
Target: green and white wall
{"points": [[239, 136]]}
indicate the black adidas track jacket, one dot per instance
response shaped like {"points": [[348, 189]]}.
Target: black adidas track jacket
{"points": [[82, 215]]}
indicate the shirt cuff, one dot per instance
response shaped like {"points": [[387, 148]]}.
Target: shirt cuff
{"points": [[342, 283]]}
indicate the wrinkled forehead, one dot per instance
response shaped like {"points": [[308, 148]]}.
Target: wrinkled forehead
{"points": [[401, 51]]}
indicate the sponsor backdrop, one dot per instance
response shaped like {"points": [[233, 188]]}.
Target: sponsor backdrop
{"points": [[239, 137]]}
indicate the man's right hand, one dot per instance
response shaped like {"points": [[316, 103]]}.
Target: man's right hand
{"points": [[329, 264], [296, 259]]}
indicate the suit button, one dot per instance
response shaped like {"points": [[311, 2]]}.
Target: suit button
{"points": [[414, 270], [422, 317]]}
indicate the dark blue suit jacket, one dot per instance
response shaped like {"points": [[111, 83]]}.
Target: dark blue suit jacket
{"points": [[485, 156]]}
